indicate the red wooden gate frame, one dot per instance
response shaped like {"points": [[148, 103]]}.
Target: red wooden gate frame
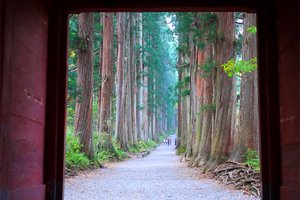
{"points": [[268, 80]]}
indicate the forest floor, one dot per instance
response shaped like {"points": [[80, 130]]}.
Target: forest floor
{"points": [[160, 175]]}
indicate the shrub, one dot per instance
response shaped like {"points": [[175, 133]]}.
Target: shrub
{"points": [[161, 138], [105, 155], [74, 158], [181, 150], [142, 146], [120, 153], [251, 158]]}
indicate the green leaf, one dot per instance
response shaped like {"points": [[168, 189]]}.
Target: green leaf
{"points": [[237, 67], [252, 29]]}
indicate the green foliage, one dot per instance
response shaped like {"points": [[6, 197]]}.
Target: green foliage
{"points": [[104, 155], [170, 132], [160, 57], [251, 158], [161, 138], [181, 150], [107, 156], [181, 84], [74, 158], [187, 80], [185, 92], [209, 64], [208, 107], [119, 153], [252, 30], [204, 31], [70, 115], [238, 67], [182, 22], [142, 146]]}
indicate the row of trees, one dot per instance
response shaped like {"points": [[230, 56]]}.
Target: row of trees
{"points": [[121, 66], [124, 84], [218, 103]]}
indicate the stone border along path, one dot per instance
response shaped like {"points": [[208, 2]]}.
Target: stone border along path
{"points": [[158, 176]]}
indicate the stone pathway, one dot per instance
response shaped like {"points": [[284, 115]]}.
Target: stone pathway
{"points": [[157, 176]]}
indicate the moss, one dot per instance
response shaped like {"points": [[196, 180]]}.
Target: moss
{"points": [[181, 150]]}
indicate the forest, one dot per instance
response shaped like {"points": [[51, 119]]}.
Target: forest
{"points": [[135, 78]]}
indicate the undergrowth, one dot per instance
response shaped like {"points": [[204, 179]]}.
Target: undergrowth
{"points": [[103, 155], [142, 146], [181, 150], [251, 158], [75, 160]]}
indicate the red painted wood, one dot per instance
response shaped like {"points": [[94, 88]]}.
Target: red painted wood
{"points": [[290, 156], [289, 193], [56, 94], [290, 177], [23, 95], [2, 146], [159, 5], [270, 139], [23, 75], [289, 71], [289, 84], [269, 109], [28, 92], [31, 193], [26, 154]]}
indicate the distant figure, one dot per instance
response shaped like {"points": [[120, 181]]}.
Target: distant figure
{"points": [[170, 141], [165, 141], [175, 141]]}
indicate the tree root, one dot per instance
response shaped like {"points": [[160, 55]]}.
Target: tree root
{"points": [[241, 176]]}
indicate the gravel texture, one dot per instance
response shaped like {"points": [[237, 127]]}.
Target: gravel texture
{"points": [[159, 175]]}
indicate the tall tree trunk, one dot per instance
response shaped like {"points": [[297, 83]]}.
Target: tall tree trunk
{"points": [[179, 106], [107, 80], [223, 91], [129, 68], [140, 78], [133, 77], [145, 127], [192, 97], [185, 116], [100, 68], [83, 124], [247, 133], [120, 112], [204, 106]]}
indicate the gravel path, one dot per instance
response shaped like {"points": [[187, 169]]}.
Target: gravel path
{"points": [[158, 176]]}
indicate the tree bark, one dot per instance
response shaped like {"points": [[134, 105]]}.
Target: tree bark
{"points": [[140, 78], [84, 103], [133, 77], [205, 108], [145, 127], [107, 80], [223, 91], [100, 68], [190, 151], [120, 112], [179, 108], [247, 133]]}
